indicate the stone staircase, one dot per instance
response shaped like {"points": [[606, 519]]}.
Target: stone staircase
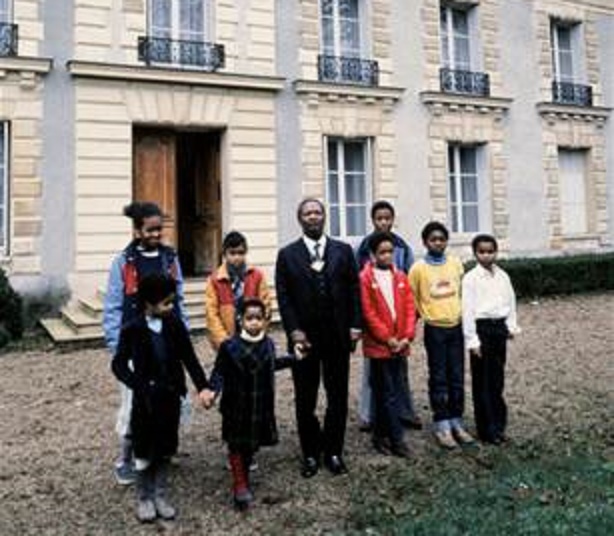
{"points": [[81, 321]]}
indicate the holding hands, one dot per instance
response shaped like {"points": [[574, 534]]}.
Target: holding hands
{"points": [[207, 398]]}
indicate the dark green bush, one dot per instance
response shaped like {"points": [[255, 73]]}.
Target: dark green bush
{"points": [[11, 323], [571, 274]]}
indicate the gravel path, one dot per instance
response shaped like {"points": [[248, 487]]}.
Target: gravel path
{"points": [[57, 442]]}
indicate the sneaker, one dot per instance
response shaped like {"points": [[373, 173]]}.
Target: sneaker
{"points": [[124, 473], [164, 509], [462, 436], [382, 445], [401, 450], [413, 423], [146, 511], [444, 439]]}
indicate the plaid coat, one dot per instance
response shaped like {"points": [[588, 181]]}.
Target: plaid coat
{"points": [[245, 374]]}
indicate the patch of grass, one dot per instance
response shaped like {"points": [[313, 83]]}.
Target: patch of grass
{"points": [[531, 488]]}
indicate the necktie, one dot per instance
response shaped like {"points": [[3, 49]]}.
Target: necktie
{"points": [[316, 252]]}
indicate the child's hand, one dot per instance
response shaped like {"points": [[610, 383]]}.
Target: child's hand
{"points": [[300, 351], [393, 344], [403, 345], [476, 352], [206, 398]]}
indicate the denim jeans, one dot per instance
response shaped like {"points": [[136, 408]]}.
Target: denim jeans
{"points": [[446, 363]]}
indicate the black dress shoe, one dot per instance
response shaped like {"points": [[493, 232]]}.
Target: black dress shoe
{"points": [[310, 467], [413, 423], [335, 465]]}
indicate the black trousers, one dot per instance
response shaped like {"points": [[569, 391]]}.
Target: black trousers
{"points": [[488, 379], [331, 364], [446, 361], [387, 385]]}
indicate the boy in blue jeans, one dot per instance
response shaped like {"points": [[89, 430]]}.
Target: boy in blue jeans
{"points": [[436, 284]]}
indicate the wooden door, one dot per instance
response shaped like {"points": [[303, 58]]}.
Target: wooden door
{"points": [[208, 220], [155, 175]]}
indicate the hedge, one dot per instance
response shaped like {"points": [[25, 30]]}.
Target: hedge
{"points": [[11, 319], [536, 277]]}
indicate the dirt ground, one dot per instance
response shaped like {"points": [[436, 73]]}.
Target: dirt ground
{"points": [[57, 413]]}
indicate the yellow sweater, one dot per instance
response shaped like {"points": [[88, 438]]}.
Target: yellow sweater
{"points": [[436, 290]]}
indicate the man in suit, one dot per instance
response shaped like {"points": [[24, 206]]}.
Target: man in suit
{"points": [[319, 303]]}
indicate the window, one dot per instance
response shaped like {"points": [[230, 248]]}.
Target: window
{"points": [[572, 165], [178, 33], [4, 187], [568, 65], [562, 52], [5, 11], [348, 186], [463, 184], [341, 28], [178, 19], [455, 38]]}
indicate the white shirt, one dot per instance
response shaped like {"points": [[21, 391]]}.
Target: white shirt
{"points": [[383, 277], [310, 243], [487, 294]]}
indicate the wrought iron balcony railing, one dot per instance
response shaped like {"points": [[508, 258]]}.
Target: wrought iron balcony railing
{"points": [[569, 93], [342, 70], [197, 54], [466, 82], [8, 39]]}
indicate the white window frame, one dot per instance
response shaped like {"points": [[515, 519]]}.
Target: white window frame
{"points": [[450, 9], [337, 30], [175, 21], [576, 200], [7, 16], [341, 195], [483, 202], [5, 179], [576, 40]]}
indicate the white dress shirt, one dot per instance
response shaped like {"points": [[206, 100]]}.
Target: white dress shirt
{"points": [[487, 294], [310, 243], [383, 277]]}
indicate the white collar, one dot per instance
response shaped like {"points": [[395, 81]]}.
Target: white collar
{"points": [[310, 243], [154, 323], [250, 338], [487, 273]]}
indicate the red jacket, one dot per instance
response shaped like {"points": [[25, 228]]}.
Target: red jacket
{"points": [[379, 326]]}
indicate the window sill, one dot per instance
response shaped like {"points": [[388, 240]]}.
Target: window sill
{"points": [[553, 112], [439, 102], [170, 75], [582, 241], [334, 91]]}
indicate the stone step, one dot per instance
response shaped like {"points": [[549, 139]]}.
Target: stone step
{"points": [[60, 332], [81, 321]]}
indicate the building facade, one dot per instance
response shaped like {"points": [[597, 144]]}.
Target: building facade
{"points": [[489, 115]]}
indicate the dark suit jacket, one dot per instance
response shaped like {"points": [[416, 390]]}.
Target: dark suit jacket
{"points": [[297, 288]]}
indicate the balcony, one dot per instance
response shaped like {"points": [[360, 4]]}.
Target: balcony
{"points": [[342, 70], [574, 94], [8, 39], [190, 54], [464, 82]]}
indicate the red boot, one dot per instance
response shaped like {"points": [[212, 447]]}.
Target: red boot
{"points": [[241, 493]]}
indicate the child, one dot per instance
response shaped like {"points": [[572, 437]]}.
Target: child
{"points": [[244, 372], [489, 319], [382, 217], [436, 283], [389, 322], [153, 349], [233, 282], [144, 255]]}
